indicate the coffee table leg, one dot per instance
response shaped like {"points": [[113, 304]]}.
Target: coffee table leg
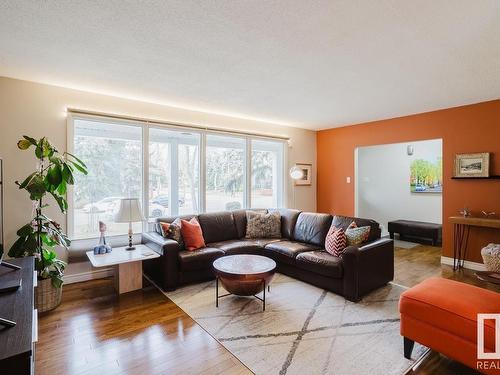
{"points": [[268, 287], [264, 299], [216, 292]]}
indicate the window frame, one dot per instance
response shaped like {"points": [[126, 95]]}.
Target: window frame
{"points": [[145, 125], [246, 164]]}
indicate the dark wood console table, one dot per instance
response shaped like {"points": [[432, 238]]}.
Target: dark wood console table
{"points": [[461, 235], [17, 343]]}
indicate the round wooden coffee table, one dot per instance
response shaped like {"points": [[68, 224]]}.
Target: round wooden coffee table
{"points": [[244, 275]]}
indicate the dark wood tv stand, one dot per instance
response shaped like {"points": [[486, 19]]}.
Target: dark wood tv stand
{"points": [[17, 344]]}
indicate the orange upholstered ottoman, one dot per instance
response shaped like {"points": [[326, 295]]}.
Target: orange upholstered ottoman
{"points": [[442, 315]]}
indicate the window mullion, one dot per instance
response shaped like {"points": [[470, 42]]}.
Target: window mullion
{"points": [[248, 173], [174, 178], [145, 176], [203, 173]]}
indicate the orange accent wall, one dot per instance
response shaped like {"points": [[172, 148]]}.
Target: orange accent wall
{"points": [[466, 129]]}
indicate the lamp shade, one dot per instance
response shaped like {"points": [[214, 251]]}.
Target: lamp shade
{"points": [[296, 173], [129, 211]]}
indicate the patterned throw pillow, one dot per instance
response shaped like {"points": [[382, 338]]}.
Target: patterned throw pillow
{"points": [[335, 241], [263, 225], [172, 230], [357, 235], [352, 225]]}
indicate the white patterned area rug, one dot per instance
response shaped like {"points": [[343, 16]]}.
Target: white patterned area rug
{"points": [[305, 329]]}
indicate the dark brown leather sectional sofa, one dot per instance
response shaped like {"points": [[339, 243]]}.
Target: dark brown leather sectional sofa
{"points": [[299, 253]]}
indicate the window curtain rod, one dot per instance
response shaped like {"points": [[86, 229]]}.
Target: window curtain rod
{"points": [[75, 111]]}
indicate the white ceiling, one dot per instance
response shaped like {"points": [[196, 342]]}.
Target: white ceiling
{"points": [[310, 64]]}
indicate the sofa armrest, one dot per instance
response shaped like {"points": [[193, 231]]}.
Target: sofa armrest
{"points": [[160, 244], [165, 269], [367, 267]]}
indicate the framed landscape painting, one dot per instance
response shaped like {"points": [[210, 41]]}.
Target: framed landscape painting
{"points": [[472, 165], [426, 176]]}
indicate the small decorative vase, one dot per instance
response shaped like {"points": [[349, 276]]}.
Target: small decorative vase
{"points": [[102, 247]]}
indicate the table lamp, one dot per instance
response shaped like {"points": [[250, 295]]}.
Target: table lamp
{"points": [[129, 212]]}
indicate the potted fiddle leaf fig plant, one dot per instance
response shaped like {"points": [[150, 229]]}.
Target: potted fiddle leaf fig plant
{"points": [[39, 238]]}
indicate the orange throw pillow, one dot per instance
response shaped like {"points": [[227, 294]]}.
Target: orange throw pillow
{"points": [[192, 234]]}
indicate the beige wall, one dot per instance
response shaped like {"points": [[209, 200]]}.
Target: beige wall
{"points": [[40, 110]]}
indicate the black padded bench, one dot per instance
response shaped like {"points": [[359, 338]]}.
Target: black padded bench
{"points": [[416, 230]]}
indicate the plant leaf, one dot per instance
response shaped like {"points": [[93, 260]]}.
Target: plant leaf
{"points": [[25, 230], [57, 281], [36, 188], [47, 149], [67, 174], [63, 204], [23, 144], [32, 140], [26, 181], [79, 167], [38, 152], [54, 175], [61, 189], [77, 159]]}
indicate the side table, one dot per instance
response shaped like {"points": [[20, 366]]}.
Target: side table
{"points": [[127, 265]]}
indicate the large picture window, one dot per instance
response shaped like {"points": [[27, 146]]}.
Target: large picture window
{"points": [[173, 171], [267, 174], [225, 173], [113, 154]]}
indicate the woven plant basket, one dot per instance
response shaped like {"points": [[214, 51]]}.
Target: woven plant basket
{"points": [[46, 296], [491, 257]]}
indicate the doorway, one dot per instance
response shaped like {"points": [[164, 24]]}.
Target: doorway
{"points": [[403, 181]]}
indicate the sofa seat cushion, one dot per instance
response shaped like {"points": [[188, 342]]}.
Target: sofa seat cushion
{"points": [[242, 246], [263, 242], [286, 251], [450, 306], [198, 259], [320, 262]]}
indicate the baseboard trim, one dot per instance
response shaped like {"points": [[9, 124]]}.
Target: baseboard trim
{"points": [[89, 275], [467, 264]]}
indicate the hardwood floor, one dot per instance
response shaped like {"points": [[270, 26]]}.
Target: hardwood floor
{"points": [[411, 266], [94, 331]]}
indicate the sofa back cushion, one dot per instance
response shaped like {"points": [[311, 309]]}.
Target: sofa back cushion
{"points": [[312, 228], [240, 220], [218, 226], [288, 220], [344, 222]]}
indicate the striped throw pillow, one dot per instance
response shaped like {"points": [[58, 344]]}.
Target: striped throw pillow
{"points": [[335, 241]]}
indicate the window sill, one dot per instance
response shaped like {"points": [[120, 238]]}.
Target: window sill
{"points": [[87, 244]]}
